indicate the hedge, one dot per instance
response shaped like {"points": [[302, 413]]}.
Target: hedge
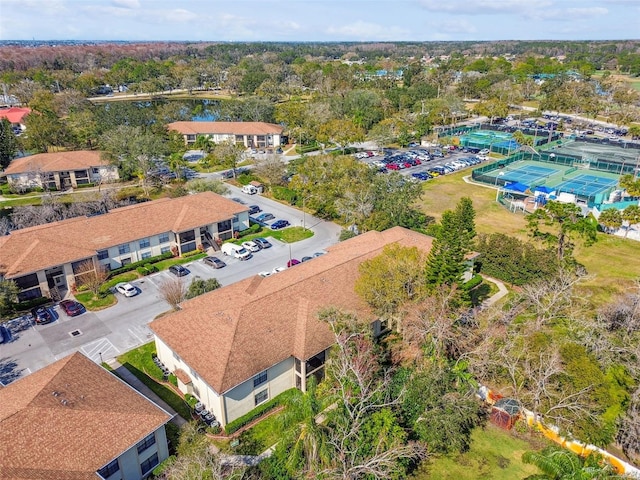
{"points": [[474, 282], [191, 253], [260, 410], [254, 228], [29, 304], [141, 263], [307, 148], [284, 193]]}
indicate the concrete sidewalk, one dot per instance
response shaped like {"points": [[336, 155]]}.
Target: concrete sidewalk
{"points": [[133, 381], [502, 292]]}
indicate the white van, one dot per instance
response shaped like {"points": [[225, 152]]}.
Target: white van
{"points": [[249, 189], [235, 251]]}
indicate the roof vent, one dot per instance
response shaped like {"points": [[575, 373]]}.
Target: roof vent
{"points": [[55, 394], [64, 402]]}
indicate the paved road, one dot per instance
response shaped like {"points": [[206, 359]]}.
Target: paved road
{"points": [[104, 334]]}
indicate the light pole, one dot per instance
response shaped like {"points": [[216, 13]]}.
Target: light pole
{"points": [[496, 185]]}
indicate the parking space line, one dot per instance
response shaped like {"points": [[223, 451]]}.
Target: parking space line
{"points": [[100, 349]]}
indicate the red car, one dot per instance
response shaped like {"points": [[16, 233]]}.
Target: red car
{"points": [[292, 262], [393, 166], [72, 308]]}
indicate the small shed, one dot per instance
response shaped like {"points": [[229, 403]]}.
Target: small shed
{"points": [[259, 186], [505, 412]]}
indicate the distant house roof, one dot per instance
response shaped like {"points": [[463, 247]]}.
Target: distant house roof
{"points": [[231, 334], [32, 249], [14, 114], [68, 420], [55, 162], [225, 128]]}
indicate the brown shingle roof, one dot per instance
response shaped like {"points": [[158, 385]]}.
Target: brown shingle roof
{"points": [[32, 249], [55, 162], [70, 419], [229, 335], [225, 128]]}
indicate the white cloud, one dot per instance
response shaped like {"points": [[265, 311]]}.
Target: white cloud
{"points": [[587, 12], [487, 7], [126, 3], [367, 31]]}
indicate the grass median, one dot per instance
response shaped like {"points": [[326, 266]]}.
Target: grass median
{"points": [[139, 362]]}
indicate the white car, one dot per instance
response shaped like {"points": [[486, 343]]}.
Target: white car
{"points": [[278, 269], [484, 151], [251, 246], [265, 274], [126, 289]]}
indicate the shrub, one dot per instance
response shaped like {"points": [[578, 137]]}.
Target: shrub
{"points": [[191, 253], [86, 185], [142, 271], [284, 193], [307, 148], [150, 268], [29, 304], [134, 266], [473, 283], [255, 228], [260, 410]]}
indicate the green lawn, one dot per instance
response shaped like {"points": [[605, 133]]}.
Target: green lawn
{"points": [[96, 302], [164, 264], [139, 362], [287, 235], [494, 455]]}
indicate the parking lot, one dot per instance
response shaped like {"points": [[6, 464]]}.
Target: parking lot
{"points": [[421, 163], [104, 334]]}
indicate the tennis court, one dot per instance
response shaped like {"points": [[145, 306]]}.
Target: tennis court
{"points": [[585, 184], [527, 174]]}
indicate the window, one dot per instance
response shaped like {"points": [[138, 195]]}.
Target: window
{"points": [[186, 237], [165, 249], [149, 464], [261, 397], [164, 238], [27, 281], [223, 226], [259, 379], [103, 254], [145, 255], [123, 248], [109, 469], [125, 261], [29, 294], [145, 243], [95, 170], [146, 443], [188, 247]]}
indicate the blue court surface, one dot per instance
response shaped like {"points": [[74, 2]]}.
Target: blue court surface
{"points": [[586, 184]]}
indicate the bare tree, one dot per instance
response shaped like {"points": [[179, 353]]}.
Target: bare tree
{"points": [[272, 169], [362, 389], [174, 292], [629, 433], [90, 275]]}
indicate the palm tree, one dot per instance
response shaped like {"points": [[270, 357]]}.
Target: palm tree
{"points": [[176, 164], [203, 143], [610, 219], [558, 464], [303, 421], [631, 214]]}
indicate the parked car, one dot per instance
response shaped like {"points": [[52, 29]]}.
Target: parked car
{"points": [[484, 151], [278, 224], [214, 262], [278, 269], [238, 200], [264, 243], [292, 262], [253, 209], [236, 251], [42, 315], [306, 259], [263, 217], [251, 246], [72, 308], [178, 270], [126, 289]]}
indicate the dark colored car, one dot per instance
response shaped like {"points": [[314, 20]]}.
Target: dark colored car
{"points": [[306, 259], [214, 262], [292, 262], [72, 308], [178, 270], [42, 315], [264, 243], [263, 217], [253, 209], [278, 224]]}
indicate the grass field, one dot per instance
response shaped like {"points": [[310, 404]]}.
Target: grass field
{"points": [[494, 455], [613, 262]]}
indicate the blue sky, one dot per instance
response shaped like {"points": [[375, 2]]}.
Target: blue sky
{"points": [[326, 20]]}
